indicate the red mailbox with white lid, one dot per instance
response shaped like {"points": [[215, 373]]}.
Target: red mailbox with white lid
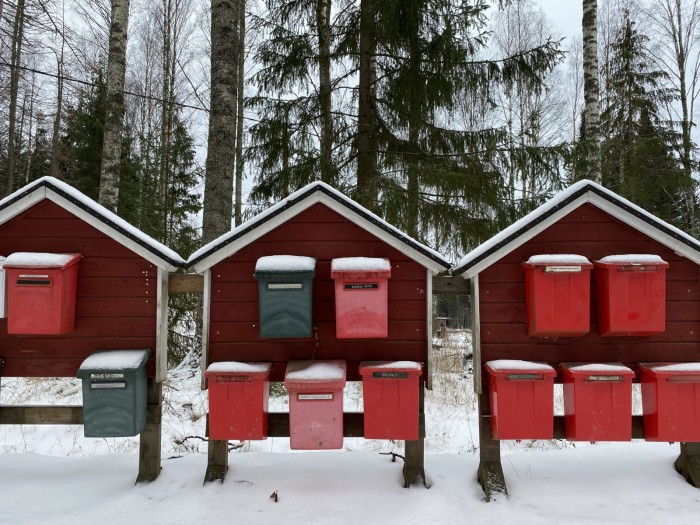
{"points": [[361, 308], [557, 292], [631, 293], [238, 400], [41, 292]]}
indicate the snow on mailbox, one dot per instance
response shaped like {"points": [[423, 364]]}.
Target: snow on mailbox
{"points": [[631, 292], [285, 295], [557, 292], [114, 393], [361, 309], [41, 292]]}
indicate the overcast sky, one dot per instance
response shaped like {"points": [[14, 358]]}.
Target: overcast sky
{"points": [[564, 14]]}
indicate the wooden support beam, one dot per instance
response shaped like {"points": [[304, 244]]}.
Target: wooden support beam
{"points": [[490, 471], [217, 459], [41, 415], [149, 447], [414, 463], [688, 463], [194, 283]]}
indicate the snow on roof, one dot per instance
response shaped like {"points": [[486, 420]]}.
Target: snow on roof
{"points": [[317, 192], [632, 258], [360, 264], [115, 360], [601, 368], [558, 258], [285, 263], [516, 234], [693, 368], [391, 365], [113, 223], [315, 371], [40, 260], [516, 365], [235, 367]]}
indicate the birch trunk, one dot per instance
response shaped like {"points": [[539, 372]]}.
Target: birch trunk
{"points": [[323, 25], [238, 204], [591, 89], [114, 106], [366, 154], [17, 37]]}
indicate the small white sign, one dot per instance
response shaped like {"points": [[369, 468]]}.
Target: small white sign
{"points": [[315, 397], [284, 286], [562, 269], [106, 376], [100, 386]]}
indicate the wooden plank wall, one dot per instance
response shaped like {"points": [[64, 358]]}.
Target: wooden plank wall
{"points": [[590, 232], [324, 234], [116, 295]]}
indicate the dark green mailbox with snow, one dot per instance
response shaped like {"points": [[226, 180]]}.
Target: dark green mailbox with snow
{"points": [[285, 286], [114, 393]]}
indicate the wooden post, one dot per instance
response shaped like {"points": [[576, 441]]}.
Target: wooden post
{"points": [[688, 463], [414, 465], [490, 473], [217, 459], [149, 448]]}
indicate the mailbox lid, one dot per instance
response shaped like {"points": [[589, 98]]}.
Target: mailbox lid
{"points": [[390, 369], [128, 362], [40, 260], [315, 375], [586, 371], [255, 371], [275, 267], [360, 268], [503, 368], [558, 263]]}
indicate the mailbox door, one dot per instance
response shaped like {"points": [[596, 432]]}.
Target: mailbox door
{"points": [[285, 305]]}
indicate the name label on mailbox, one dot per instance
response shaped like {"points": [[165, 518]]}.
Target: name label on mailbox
{"points": [[284, 286], [234, 379], [361, 286], [315, 397], [609, 379], [562, 269], [106, 376], [113, 385], [390, 375], [524, 377]]}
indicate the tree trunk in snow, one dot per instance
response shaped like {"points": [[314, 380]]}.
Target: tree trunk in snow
{"points": [[114, 106], [15, 58]]}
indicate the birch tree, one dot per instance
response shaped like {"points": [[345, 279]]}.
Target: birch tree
{"points": [[591, 90], [114, 109]]}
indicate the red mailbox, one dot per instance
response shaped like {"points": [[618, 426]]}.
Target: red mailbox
{"points": [[361, 309], [390, 391], [238, 400], [631, 292], [315, 404], [522, 399], [671, 401], [598, 402], [557, 292], [41, 292]]}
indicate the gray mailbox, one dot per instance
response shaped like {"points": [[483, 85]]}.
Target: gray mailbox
{"points": [[285, 295], [114, 393]]}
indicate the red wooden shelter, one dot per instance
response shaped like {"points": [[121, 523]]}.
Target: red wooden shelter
{"points": [[589, 221]]}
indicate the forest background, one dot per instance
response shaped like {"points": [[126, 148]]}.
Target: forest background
{"points": [[449, 118]]}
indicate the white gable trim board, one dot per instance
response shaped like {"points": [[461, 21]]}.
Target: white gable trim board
{"points": [[92, 213], [575, 196], [315, 193]]}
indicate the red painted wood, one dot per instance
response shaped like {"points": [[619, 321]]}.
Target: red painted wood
{"points": [[324, 234], [116, 294], [594, 234]]}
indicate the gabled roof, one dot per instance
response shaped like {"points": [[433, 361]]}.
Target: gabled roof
{"points": [[568, 200], [92, 213], [316, 192]]}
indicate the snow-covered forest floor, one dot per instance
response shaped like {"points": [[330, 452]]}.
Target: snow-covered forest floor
{"points": [[54, 475]]}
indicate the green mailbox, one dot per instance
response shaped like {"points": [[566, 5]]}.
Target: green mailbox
{"points": [[285, 286], [114, 393]]}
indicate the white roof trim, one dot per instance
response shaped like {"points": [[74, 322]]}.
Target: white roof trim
{"points": [[588, 192], [314, 193], [91, 212]]}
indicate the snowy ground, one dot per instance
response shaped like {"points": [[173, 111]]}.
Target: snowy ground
{"points": [[53, 475]]}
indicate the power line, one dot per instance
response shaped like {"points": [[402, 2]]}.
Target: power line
{"points": [[91, 84]]}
